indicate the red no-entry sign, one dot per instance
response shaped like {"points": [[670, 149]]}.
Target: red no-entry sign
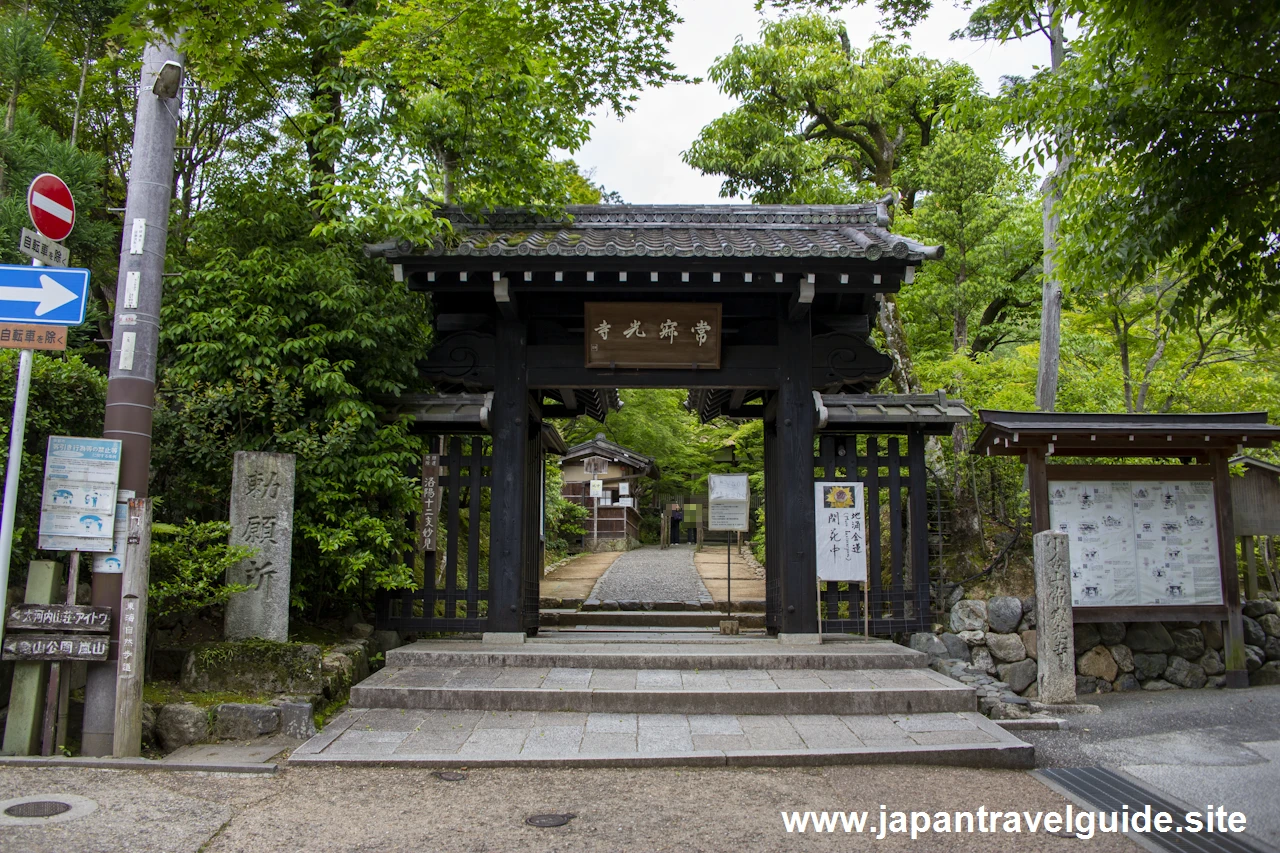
{"points": [[52, 209]]}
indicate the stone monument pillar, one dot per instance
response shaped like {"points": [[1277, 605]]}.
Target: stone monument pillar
{"points": [[1055, 632], [262, 519]]}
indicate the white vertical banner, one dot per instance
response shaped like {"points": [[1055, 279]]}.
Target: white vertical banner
{"points": [[841, 529]]}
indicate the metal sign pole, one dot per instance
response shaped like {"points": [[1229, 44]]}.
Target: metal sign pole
{"points": [[819, 609], [866, 609], [17, 431], [728, 578]]}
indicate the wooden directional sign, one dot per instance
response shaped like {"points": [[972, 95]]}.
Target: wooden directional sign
{"points": [[59, 617], [82, 632], [653, 335], [56, 647], [52, 209]]}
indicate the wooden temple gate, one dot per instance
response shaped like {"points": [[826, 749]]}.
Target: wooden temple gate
{"points": [[760, 311]]}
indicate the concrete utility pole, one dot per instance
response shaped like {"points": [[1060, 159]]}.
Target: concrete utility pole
{"points": [[131, 383]]}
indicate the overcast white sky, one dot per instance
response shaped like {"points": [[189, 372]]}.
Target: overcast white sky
{"points": [[639, 156]]}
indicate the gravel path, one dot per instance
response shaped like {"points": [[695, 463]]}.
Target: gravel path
{"points": [[652, 574]]}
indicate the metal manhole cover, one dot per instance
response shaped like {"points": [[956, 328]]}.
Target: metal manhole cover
{"points": [[38, 808], [43, 809], [450, 776], [549, 819]]}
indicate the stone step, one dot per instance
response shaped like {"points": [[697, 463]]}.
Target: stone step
{"points": [[648, 618], [453, 739], [646, 651], [657, 691]]}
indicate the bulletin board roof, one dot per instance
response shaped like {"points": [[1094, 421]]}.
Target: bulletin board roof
{"points": [[1107, 434]]}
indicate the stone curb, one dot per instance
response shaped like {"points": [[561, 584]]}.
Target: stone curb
{"points": [[135, 764], [1003, 755], [1040, 724]]}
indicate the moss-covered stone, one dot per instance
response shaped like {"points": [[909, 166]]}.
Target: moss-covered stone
{"points": [[253, 666]]}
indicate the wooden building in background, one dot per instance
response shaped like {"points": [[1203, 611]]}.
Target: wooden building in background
{"points": [[614, 520]]}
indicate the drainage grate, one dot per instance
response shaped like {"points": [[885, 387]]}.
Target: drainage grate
{"points": [[1109, 791], [38, 808], [549, 819]]}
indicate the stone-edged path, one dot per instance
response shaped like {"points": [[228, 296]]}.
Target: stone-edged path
{"points": [[653, 574]]}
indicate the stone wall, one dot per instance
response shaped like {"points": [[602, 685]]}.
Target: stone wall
{"points": [[997, 637]]}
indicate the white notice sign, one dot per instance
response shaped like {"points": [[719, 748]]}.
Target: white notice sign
{"points": [[841, 525], [728, 501], [1145, 542], [78, 508], [112, 562], [597, 488]]}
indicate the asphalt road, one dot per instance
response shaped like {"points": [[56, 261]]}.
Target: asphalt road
{"points": [[1219, 747]]}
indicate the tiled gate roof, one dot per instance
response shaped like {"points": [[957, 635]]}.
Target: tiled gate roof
{"points": [[676, 231]]}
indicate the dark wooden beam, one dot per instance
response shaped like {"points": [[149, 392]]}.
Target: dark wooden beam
{"points": [[795, 423], [1237, 673], [1038, 487], [849, 277], [552, 366], [510, 422]]}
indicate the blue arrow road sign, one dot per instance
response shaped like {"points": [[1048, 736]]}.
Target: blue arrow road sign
{"points": [[54, 296]]}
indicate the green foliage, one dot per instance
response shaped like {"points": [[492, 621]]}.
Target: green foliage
{"points": [[984, 292], [564, 519], [278, 341], [656, 423], [1165, 112], [189, 564], [67, 398], [821, 122]]}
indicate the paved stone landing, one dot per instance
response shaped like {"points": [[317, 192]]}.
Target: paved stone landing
{"points": [[471, 738]]}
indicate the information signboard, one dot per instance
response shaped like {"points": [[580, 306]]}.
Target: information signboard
{"points": [[728, 501], [1141, 542], [841, 525], [77, 512]]}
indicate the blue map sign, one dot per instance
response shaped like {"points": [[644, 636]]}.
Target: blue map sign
{"points": [[78, 512], [53, 296]]}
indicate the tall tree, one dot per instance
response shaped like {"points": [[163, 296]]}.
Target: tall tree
{"points": [[1172, 110], [822, 122], [1002, 20]]}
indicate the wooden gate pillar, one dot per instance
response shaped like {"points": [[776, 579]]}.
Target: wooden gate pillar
{"points": [[509, 423], [797, 558]]}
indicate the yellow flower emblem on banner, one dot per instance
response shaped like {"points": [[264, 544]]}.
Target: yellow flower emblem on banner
{"points": [[838, 497]]}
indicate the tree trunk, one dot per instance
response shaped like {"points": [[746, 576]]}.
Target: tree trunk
{"points": [[1051, 296], [895, 340], [84, 73]]}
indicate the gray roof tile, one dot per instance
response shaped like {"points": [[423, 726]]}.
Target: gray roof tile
{"points": [[674, 231]]}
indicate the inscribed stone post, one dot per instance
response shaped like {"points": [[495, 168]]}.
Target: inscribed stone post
{"points": [[262, 519], [1055, 639]]}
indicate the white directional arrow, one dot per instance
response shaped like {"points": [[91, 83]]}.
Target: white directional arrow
{"points": [[51, 295]]}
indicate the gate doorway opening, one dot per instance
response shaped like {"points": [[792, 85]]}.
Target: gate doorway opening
{"points": [[760, 312]]}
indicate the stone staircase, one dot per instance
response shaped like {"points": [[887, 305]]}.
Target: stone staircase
{"points": [[636, 698]]}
